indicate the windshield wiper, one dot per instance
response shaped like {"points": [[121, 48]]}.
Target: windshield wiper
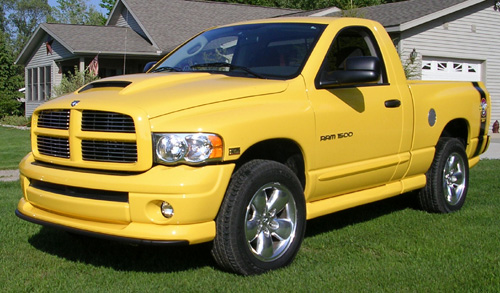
{"points": [[167, 68], [231, 67]]}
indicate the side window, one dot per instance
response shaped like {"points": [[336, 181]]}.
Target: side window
{"points": [[351, 42]]}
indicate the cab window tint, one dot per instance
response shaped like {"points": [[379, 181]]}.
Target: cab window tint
{"points": [[352, 42]]}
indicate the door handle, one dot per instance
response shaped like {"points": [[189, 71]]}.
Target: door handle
{"points": [[392, 103]]}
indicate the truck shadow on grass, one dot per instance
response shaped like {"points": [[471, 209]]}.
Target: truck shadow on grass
{"points": [[360, 214], [121, 256], [164, 259]]}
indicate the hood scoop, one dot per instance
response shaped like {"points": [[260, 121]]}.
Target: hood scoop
{"points": [[105, 84]]}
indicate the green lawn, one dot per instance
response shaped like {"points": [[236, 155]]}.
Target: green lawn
{"points": [[14, 145], [385, 246]]}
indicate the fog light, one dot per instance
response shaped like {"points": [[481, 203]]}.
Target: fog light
{"points": [[167, 210]]}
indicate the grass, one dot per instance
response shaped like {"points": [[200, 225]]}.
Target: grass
{"points": [[384, 246], [14, 145]]}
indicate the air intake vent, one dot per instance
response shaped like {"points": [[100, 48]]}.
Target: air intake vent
{"points": [[81, 192], [103, 84], [53, 146], [107, 122], [56, 119], [109, 151]]}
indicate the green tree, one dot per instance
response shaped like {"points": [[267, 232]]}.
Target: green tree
{"points": [[2, 17], [108, 5], [24, 16], [11, 79], [76, 12]]}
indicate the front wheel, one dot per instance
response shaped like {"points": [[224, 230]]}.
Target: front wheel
{"points": [[261, 223], [447, 179]]}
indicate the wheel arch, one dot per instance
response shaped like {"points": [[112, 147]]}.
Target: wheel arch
{"points": [[282, 150], [457, 128]]}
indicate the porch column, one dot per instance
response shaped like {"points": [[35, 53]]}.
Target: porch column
{"points": [[82, 64]]}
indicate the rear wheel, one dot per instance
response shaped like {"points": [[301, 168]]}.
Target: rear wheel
{"points": [[261, 223], [447, 179]]}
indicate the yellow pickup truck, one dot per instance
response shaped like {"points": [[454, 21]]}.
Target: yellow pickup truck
{"points": [[246, 131]]}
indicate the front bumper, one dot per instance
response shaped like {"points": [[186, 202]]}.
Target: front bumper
{"points": [[58, 197]]}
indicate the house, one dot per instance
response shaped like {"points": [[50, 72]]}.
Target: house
{"points": [[437, 39], [134, 35]]}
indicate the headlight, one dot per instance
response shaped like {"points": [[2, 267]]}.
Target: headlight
{"points": [[191, 148]]}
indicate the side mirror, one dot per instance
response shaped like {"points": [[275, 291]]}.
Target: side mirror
{"points": [[148, 66], [357, 70]]}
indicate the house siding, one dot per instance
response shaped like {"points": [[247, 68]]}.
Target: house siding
{"points": [[126, 19], [471, 34], [43, 59]]}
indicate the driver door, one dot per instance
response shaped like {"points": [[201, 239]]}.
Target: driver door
{"points": [[358, 127]]}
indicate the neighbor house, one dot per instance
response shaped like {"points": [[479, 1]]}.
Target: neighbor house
{"points": [[136, 33]]}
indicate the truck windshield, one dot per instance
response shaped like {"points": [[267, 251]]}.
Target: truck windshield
{"points": [[269, 50]]}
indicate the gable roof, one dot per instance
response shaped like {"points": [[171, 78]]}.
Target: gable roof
{"points": [[86, 39], [401, 16], [152, 28], [169, 23], [89, 39]]}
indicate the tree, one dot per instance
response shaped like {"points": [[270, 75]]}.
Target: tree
{"points": [[108, 4], [11, 79], [23, 18], [76, 12]]}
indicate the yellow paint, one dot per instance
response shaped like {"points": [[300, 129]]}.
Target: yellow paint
{"points": [[377, 152]]}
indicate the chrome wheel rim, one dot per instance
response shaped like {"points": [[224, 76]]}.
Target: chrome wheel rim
{"points": [[454, 179], [270, 222]]}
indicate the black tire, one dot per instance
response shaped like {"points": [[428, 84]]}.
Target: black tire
{"points": [[447, 178], [262, 219]]}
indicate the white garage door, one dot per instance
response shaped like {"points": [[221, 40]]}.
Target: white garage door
{"points": [[448, 69]]}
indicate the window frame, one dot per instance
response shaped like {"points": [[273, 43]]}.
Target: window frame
{"points": [[371, 44]]}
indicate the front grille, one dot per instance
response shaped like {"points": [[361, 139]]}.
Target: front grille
{"points": [[96, 137], [107, 122], [109, 151], [53, 146], [55, 119], [97, 194]]}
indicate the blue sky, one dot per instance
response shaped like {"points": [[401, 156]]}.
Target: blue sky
{"points": [[95, 3]]}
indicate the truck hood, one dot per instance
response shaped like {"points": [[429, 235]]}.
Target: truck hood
{"points": [[162, 93]]}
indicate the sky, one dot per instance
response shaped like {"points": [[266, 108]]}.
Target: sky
{"points": [[95, 3]]}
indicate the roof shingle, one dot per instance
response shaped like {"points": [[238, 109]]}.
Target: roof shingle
{"points": [[393, 14], [171, 22], [84, 38]]}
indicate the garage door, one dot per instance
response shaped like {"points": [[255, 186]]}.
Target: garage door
{"points": [[448, 69]]}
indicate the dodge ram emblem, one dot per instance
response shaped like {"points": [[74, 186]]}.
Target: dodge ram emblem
{"points": [[74, 103]]}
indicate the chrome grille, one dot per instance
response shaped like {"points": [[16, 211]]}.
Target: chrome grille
{"points": [[109, 151], [56, 119], [107, 122], [53, 146]]}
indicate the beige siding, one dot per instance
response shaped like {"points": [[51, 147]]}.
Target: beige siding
{"points": [[467, 35]]}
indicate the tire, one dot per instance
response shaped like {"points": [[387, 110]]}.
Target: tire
{"points": [[262, 219], [447, 178]]}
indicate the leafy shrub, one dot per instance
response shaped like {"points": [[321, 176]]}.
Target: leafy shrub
{"points": [[73, 81], [10, 106], [16, 121]]}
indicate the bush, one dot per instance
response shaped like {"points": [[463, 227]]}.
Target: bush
{"points": [[16, 121], [73, 81], [10, 106]]}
